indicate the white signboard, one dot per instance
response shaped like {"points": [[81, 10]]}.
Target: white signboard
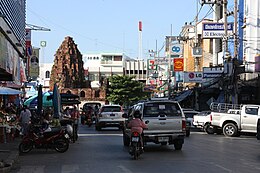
{"points": [[216, 30], [193, 77], [176, 49]]}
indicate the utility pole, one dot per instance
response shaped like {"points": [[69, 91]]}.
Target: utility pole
{"points": [[235, 53], [169, 67], [225, 48]]}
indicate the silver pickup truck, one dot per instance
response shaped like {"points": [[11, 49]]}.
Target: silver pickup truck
{"points": [[165, 121], [235, 121]]}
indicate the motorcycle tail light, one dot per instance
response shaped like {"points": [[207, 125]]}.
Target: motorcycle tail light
{"points": [[135, 134]]}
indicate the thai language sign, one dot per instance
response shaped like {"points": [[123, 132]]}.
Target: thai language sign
{"points": [[216, 30]]}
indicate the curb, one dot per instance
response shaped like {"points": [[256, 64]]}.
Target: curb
{"points": [[12, 158]]}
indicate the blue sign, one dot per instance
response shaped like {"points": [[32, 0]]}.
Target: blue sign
{"points": [[217, 26], [176, 49]]}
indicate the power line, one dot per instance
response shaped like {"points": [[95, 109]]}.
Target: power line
{"points": [[79, 34]]}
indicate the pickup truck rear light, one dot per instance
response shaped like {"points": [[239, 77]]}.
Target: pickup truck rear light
{"points": [[210, 117], [183, 125]]}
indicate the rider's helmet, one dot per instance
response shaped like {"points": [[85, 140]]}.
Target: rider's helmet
{"points": [[137, 114]]}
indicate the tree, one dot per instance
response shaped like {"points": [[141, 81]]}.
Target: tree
{"points": [[124, 90]]}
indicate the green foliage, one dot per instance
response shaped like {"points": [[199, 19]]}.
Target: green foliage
{"points": [[124, 90]]}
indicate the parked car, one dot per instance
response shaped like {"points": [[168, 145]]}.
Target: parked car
{"points": [[202, 120], [189, 113], [165, 121], [110, 116], [235, 121]]}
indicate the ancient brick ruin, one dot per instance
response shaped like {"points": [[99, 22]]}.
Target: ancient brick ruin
{"points": [[68, 73]]}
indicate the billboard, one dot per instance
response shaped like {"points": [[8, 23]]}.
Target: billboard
{"points": [[193, 77], [34, 63]]}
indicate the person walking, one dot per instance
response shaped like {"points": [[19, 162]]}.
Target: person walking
{"points": [[75, 118], [25, 119]]}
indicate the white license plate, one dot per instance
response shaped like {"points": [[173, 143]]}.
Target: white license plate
{"points": [[163, 139], [135, 139], [66, 136]]}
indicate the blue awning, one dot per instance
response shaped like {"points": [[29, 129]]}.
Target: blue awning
{"points": [[183, 95]]}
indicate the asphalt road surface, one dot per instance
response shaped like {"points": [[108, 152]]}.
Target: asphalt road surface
{"points": [[103, 152]]}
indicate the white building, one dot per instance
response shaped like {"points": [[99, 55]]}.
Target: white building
{"points": [[44, 75], [108, 64], [251, 34]]}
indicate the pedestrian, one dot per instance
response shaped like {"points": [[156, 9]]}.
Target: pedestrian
{"points": [[75, 118], [25, 119]]}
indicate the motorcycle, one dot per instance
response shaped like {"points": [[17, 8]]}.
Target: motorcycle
{"points": [[56, 138], [135, 148], [89, 120]]}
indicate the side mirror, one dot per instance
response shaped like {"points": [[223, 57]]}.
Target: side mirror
{"points": [[125, 115]]}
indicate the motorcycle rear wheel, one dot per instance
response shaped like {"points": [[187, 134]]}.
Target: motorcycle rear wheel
{"points": [[25, 147], [61, 145]]}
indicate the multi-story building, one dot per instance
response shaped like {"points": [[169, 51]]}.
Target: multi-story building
{"points": [[100, 66], [12, 38]]}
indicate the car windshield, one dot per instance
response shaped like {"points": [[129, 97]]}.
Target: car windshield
{"points": [[111, 109], [161, 108]]}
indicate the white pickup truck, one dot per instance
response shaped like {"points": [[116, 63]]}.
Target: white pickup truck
{"points": [[236, 120]]}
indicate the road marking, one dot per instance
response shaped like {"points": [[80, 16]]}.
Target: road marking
{"points": [[100, 134], [226, 169], [124, 169]]}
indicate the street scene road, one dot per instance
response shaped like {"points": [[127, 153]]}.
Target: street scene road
{"points": [[103, 151]]}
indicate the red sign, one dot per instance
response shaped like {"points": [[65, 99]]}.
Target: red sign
{"points": [[178, 64]]}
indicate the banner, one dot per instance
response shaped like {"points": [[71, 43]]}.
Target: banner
{"points": [[34, 63], [178, 64]]}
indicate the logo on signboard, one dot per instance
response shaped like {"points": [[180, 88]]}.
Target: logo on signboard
{"points": [[176, 49], [178, 64]]}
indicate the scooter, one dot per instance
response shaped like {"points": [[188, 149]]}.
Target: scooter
{"points": [[135, 148], [56, 138]]}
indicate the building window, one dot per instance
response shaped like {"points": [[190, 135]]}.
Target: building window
{"points": [[47, 74], [131, 72], [127, 71], [82, 94], [136, 71], [117, 58], [144, 71], [140, 72]]}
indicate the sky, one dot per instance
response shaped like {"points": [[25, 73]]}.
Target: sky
{"points": [[101, 26]]}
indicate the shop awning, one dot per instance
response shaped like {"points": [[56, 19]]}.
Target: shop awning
{"points": [[9, 91], [183, 95]]}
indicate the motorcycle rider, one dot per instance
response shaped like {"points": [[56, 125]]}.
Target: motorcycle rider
{"points": [[137, 125]]}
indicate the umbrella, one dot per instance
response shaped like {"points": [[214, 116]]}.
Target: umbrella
{"points": [[9, 91], [56, 99], [39, 100], [33, 101]]}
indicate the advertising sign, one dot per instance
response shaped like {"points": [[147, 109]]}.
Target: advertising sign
{"points": [[190, 77], [34, 63], [178, 64], [151, 64], [176, 49], [215, 30], [212, 72]]}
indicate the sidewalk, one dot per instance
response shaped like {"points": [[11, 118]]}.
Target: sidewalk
{"points": [[9, 153]]}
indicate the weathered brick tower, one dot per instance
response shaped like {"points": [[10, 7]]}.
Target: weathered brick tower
{"points": [[68, 73], [68, 69]]}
